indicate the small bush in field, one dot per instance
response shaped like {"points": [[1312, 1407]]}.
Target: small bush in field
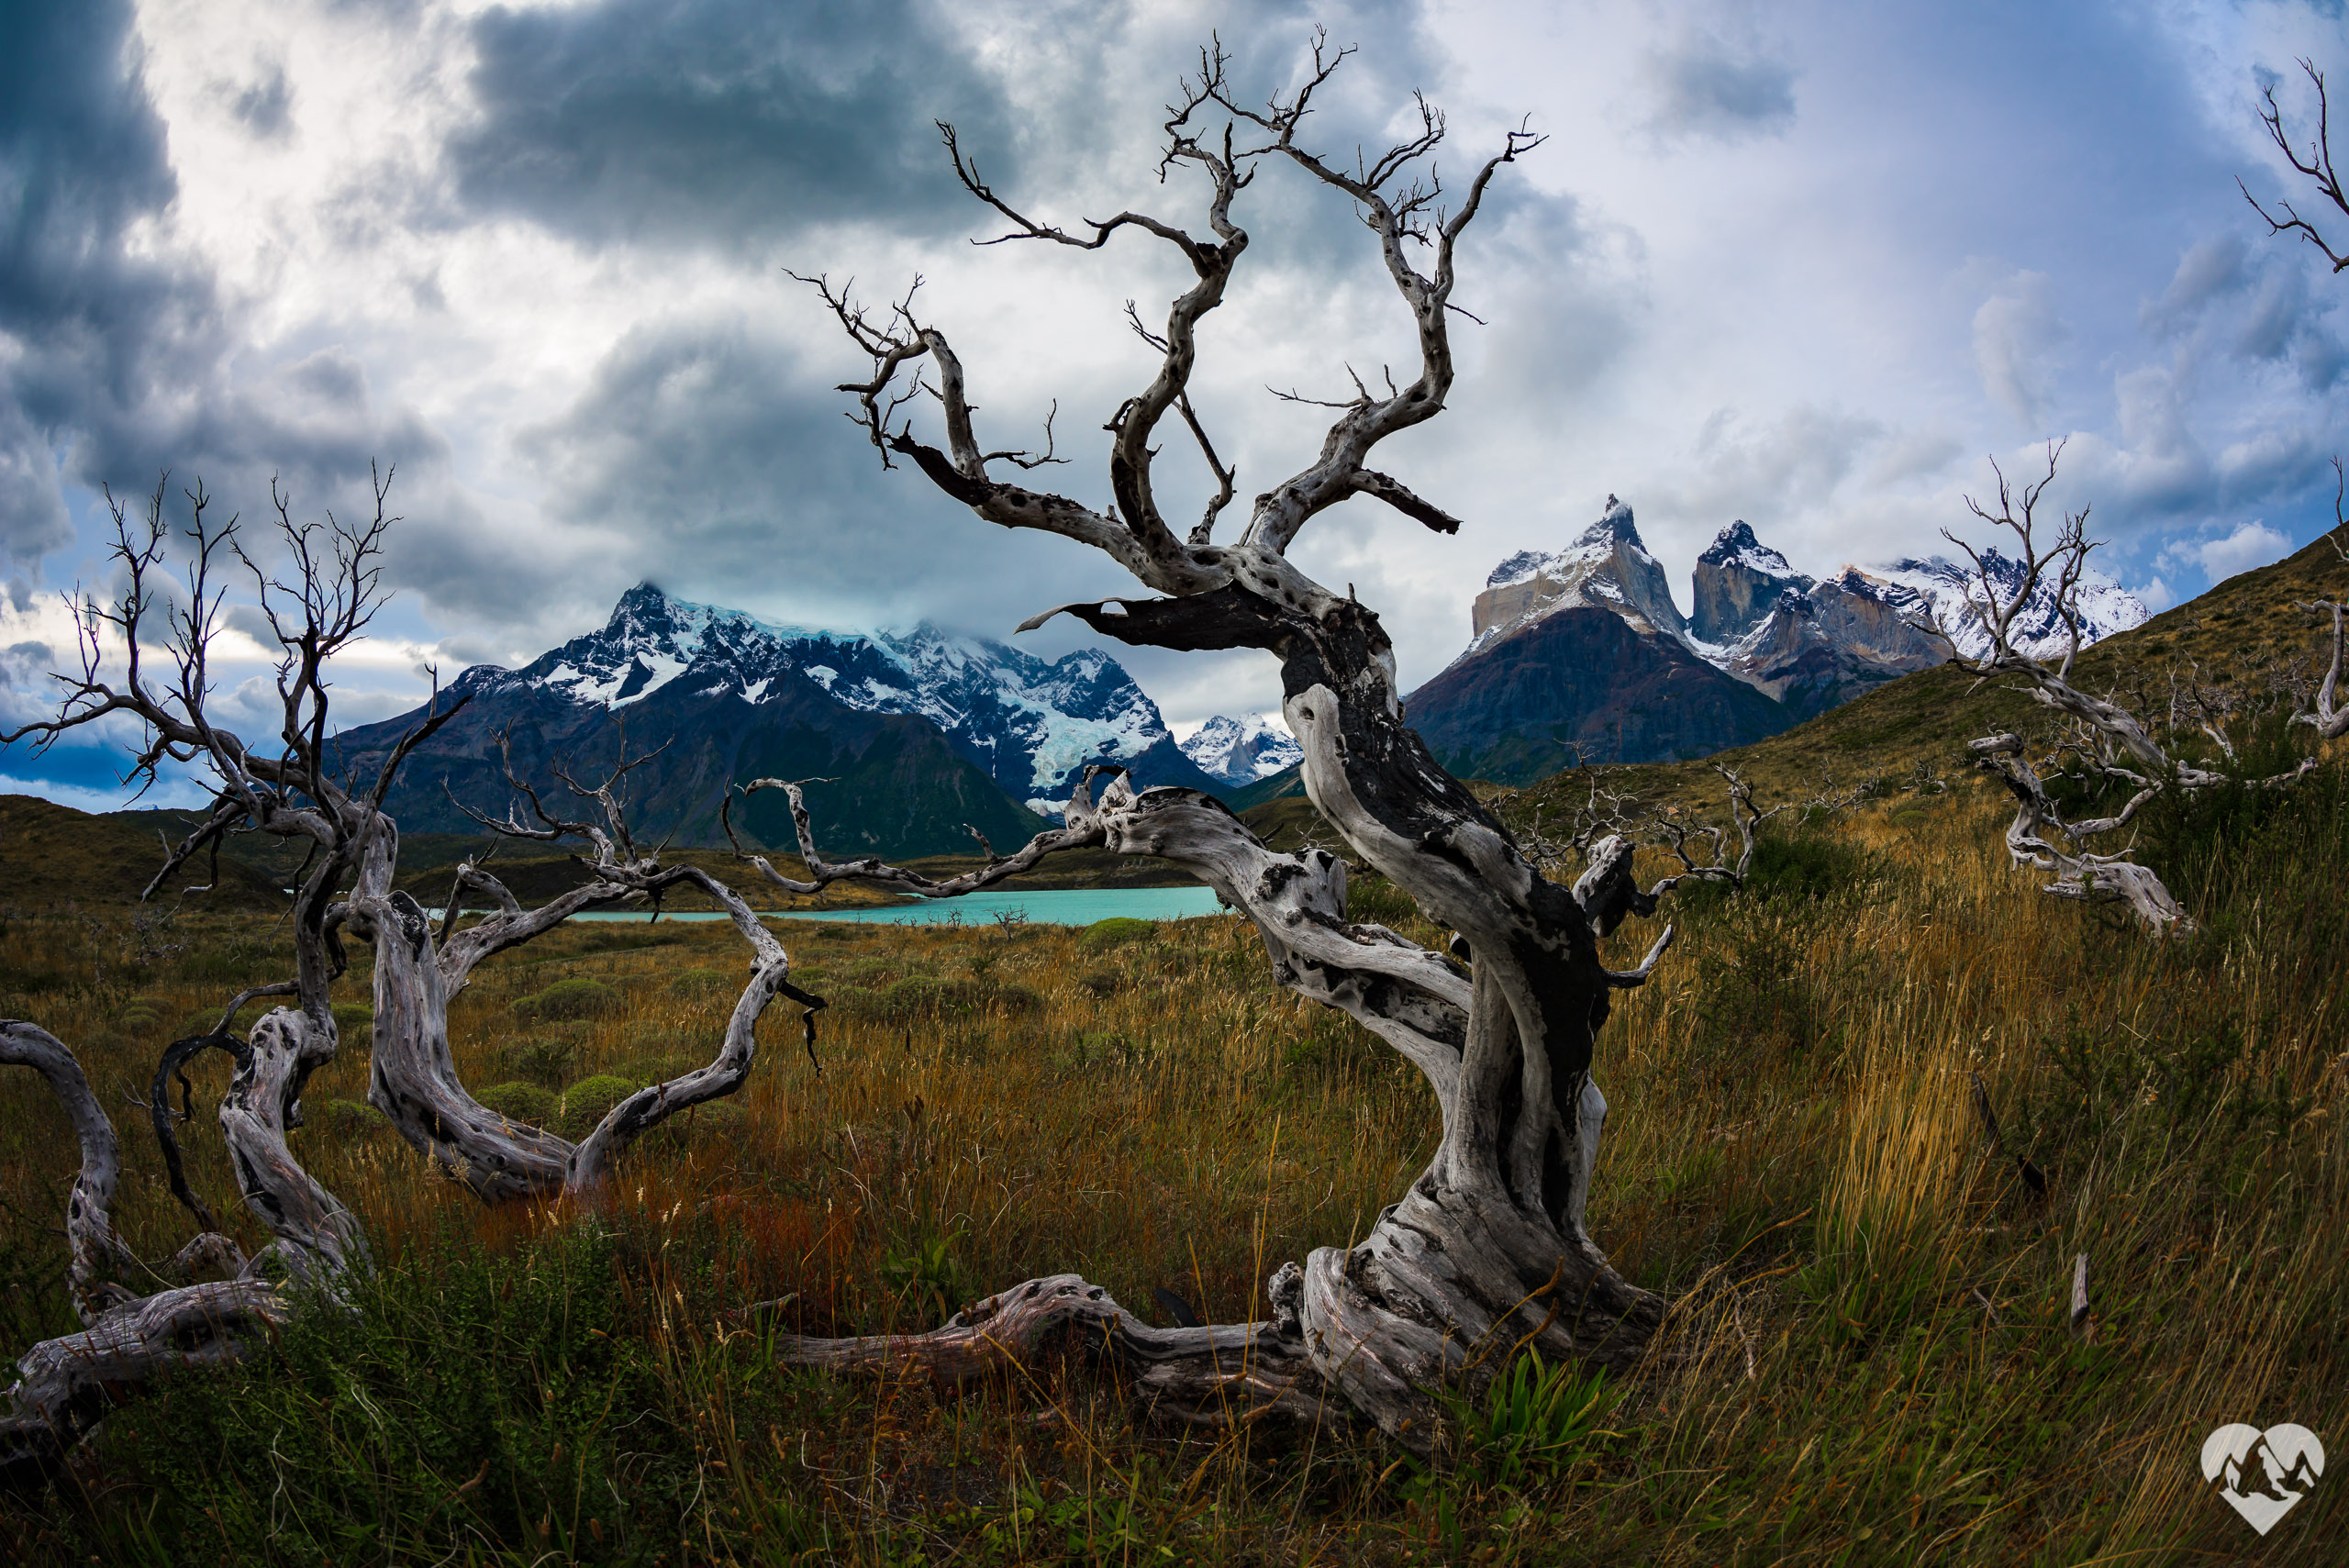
{"points": [[589, 1100], [355, 1021], [1374, 901], [1115, 931], [920, 997], [579, 997], [659, 1068], [543, 1060], [697, 982], [344, 1118], [520, 1102]]}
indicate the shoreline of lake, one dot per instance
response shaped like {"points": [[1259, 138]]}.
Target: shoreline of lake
{"points": [[1043, 907]]}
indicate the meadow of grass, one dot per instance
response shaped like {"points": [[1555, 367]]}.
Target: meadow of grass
{"points": [[1869, 1358]]}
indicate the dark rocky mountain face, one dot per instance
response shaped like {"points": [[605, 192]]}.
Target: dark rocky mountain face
{"points": [[1517, 710], [915, 736], [1737, 580], [1815, 649]]}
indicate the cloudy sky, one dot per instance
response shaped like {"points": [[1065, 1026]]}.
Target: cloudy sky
{"points": [[1810, 265]]}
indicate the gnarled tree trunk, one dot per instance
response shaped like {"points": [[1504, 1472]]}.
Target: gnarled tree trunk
{"points": [[1487, 1251]]}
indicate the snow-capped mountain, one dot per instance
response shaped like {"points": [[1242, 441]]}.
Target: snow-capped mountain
{"points": [[1519, 700], [909, 739], [1030, 724], [1937, 590], [1737, 580], [1239, 752], [1607, 568]]}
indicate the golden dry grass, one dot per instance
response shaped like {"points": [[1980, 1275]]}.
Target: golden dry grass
{"points": [[1868, 1360]]}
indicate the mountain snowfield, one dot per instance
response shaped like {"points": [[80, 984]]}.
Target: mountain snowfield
{"points": [[1031, 724]]}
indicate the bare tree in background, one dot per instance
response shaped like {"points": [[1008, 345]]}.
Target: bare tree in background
{"points": [[1486, 1250], [2101, 743], [289, 788], [2313, 162]]}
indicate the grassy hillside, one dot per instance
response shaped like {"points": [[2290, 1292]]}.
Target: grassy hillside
{"points": [[54, 855], [2240, 633]]}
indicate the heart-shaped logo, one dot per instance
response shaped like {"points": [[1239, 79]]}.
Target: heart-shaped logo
{"points": [[2262, 1474]]}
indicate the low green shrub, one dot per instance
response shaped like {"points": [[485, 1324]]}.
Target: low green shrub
{"points": [[1097, 1048], [520, 1102], [1374, 901], [713, 1121], [578, 998], [590, 1100], [343, 1118], [658, 1064], [544, 1059], [697, 982], [921, 996], [1116, 931]]}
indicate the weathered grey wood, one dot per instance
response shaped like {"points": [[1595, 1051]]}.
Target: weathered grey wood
{"points": [[64, 1386], [92, 1243], [1222, 1375]]}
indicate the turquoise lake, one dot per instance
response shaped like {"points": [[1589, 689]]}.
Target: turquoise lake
{"points": [[1062, 906]]}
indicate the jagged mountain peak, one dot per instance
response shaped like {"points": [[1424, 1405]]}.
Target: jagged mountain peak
{"points": [[1736, 581], [1935, 590], [1607, 567], [1736, 546], [1615, 529], [1242, 751]]}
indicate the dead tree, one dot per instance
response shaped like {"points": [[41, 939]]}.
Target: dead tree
{"points": [[1486, 1250], [1606, 830], [2325, 712], [2314, 165], [290, 789], [2100, 743]]}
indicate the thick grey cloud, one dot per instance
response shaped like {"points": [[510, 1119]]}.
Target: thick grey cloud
{"points": [[266, 106], [127, 360], [2016, 335], [718, 464], [1700, 86], [669, 123], [81, 157]]}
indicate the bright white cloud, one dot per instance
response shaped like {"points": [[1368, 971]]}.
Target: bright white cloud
{"points": [[2252, 544]]}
